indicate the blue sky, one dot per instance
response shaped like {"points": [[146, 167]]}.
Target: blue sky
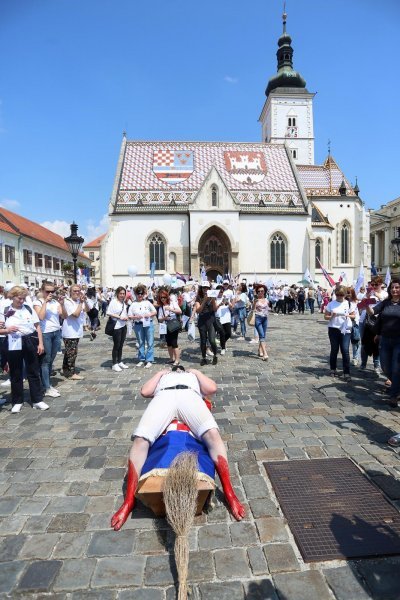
{"points": [[75, 73]]}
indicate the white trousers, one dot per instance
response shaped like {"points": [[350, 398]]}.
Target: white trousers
{"points": [[185, 405]]}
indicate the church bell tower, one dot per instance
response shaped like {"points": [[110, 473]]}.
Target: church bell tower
{"points": [[287, 115]]}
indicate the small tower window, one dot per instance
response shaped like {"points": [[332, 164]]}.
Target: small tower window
{"points": [[294, 152], [291, 121], [214, 195]]}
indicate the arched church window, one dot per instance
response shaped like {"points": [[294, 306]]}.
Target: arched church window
{"points": [[318, 252], [214, 195], [345, 243], [329, 254], [157, 251], [278, 252]]}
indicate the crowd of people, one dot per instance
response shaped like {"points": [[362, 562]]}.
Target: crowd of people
{"points": [[33, 325]]}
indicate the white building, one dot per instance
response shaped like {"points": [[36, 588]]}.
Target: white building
{"points": [[30, 253], [246, 208]]}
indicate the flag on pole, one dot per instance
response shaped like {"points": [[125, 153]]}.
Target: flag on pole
{"points": [[388, 277], [307, 276], [152, 270], [360, 279], [329, 279], [181, 277], [203, 273], [374, 272], [342, 277]]}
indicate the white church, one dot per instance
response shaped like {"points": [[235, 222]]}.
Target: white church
{"points": [[259, 208]]}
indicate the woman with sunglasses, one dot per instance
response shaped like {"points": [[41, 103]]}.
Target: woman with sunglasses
{"points": [[389, 338], [141, 312], [261, 308], [340, 313], [48, 309], [74, 308], [169, 313], [369, 345]]}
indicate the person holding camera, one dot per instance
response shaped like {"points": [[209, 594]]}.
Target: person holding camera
{"points": [[74, 309], [48, 309], [169, 313], [206, 307]]}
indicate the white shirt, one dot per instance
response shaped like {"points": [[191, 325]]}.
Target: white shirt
{"points": [[166, 314], [118, 308], [24, 320], [178, 378], [340, 314], [51, 321], [223, 312], [140, 308], [72, 327], [4, 304]]}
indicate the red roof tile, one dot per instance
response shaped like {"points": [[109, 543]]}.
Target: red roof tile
{"points": [[6, 227], [96, 243]]}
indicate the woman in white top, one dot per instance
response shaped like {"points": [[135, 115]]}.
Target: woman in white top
{"points": [[25, 344], [239, 306], [48, 309], [169, 313], [118, 311], [340, 313], [74, 309], [141, 312], [223, 318], [261, 309]]}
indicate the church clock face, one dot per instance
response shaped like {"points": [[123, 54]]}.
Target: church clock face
{"points": [[291, 132]]}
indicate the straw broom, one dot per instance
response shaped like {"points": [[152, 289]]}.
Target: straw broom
{"points": [[180, 499]]}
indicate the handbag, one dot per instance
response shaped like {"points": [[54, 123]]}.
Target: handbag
{"points": [[174, 325], [251, 318], [355, 334], [110, 325]]}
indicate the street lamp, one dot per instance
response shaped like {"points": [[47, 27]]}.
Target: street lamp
{"points": [[74, 243]]}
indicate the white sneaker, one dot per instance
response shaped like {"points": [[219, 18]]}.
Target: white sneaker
{"points": [[209, 353], [6, 383], [222, 352], [116, 368], [253, 342], [16, 408], [140, 364], [52, 393], [137, 345], [147, 365], [123, 365], [41, 405]]}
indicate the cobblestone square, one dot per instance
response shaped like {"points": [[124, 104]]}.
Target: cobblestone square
{"points": [[62, 474]]}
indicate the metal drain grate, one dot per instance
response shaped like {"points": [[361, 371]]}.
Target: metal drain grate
{"points": [[333, 510]]}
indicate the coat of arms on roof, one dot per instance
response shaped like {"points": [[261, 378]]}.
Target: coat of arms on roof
{"points": [[246, 167], [173, 166]]}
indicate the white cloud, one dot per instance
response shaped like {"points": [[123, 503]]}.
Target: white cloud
{"points": [[230, 79], [93, 229], [10, 204], [60, 227]]}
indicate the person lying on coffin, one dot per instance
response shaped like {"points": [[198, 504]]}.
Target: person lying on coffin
{"points": [[176, 394]]}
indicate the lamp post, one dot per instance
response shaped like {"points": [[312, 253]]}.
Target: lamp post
{"points": [[74, 243]]}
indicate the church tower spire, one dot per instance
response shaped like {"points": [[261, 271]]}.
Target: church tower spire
{"points": [[287, 116]]}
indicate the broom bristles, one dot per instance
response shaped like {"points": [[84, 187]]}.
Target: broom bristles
{"points": [[180, 499]]}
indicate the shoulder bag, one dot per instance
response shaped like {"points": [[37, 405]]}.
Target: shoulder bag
{"points": [[110, 325]]}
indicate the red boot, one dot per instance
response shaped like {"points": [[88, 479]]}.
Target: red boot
{"points": [[126, 508], [236, 507]]}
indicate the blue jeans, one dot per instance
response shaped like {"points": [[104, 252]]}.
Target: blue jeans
{"points": [[342, 341], [145, 337], [52, 345], [389, 351], [261, 324], [242, 318]]}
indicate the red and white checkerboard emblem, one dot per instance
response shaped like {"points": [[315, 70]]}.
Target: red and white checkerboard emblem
{"points": [[173, 166]]}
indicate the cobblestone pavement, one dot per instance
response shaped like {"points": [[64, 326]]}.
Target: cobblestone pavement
{"points": [[62, 473]]}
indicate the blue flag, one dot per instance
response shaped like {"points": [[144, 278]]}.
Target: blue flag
{"points": [[374, 272]]}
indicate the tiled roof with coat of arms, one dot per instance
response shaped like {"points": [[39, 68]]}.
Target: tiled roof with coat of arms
{"points": [[161, 174]]}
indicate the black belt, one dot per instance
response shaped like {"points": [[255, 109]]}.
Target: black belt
{"points": [[176, 387]]}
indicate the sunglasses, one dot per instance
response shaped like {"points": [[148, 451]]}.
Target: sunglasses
{"points": [[163, 297], [376, 285], [139, 293]]}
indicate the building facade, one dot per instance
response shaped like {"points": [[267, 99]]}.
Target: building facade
{"points": [[31, 254], [385, 237], [258, 209], [93, 252]]}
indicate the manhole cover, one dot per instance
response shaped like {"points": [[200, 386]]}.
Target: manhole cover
{"points": [[333, 510]]}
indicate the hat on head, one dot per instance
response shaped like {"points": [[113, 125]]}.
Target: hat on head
{"points": [[226, 281], [205, 284], [8, 286]]}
